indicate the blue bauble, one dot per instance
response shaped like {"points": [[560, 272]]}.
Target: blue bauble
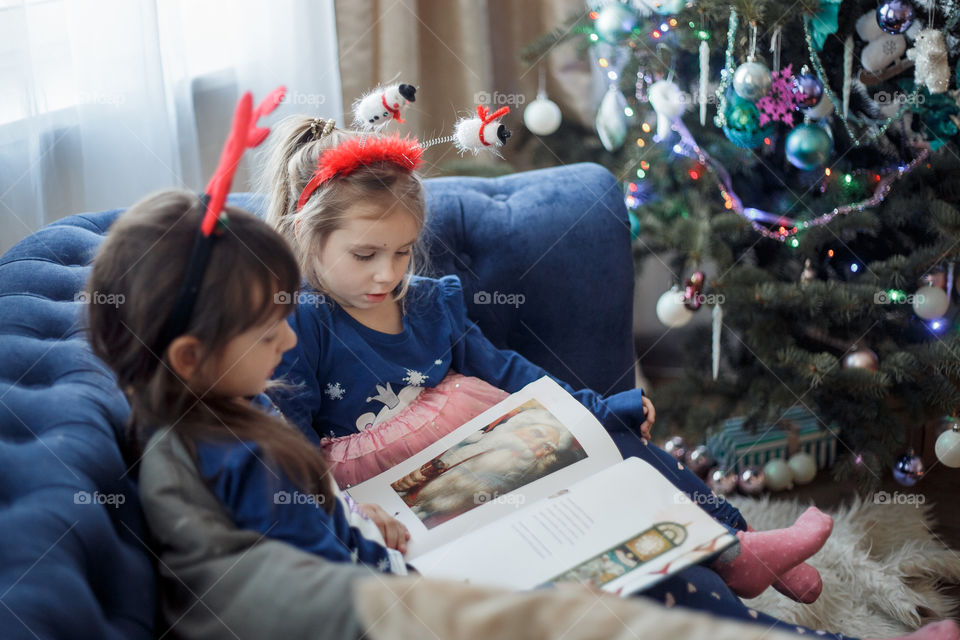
{"points": [[743, 123], [908, 469], [808, 146], [808, 89], [615, 22], [895, 16]]}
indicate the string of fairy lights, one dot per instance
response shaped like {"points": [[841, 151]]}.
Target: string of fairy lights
{"points": [[778, 227]]}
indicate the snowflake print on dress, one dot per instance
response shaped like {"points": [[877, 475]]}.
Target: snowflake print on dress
{"points": [[335, 391], [415, 378], [438, 362]]}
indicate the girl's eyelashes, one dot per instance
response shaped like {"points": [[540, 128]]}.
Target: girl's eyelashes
{"points": [[369, 256]]}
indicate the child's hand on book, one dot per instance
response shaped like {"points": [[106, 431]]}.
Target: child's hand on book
{"points": [[394, 532], [650, 414]]}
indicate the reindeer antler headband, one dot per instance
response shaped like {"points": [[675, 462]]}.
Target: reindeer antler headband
{"points": [[244, 134], [372, 112]]}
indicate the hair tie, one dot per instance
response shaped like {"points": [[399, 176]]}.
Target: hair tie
{"points": [[320, 127]]}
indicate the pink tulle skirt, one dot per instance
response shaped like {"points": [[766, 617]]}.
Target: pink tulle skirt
{"points": [[433, 414]]}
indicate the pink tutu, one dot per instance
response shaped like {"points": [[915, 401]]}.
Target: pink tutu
{"points": [[433, 414]]}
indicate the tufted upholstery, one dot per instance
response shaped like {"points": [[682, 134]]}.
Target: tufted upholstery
{"points": [[74, 561]]}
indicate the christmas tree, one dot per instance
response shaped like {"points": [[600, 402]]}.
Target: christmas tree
{"points": [[801, 162]]}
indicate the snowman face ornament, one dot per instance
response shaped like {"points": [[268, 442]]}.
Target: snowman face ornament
{"points": [[483, 131], [374, 110]]}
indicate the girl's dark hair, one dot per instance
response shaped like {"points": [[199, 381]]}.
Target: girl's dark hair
{"points": [[251, 277]]}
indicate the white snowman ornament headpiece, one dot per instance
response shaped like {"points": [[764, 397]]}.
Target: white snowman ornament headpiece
{"points": [[484, 131], [374, 110]]}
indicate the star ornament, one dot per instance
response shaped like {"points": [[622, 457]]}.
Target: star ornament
{"points": [[780, 104]]}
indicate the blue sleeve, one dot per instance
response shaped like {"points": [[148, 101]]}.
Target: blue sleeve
{"points": [[261, 498], [300, 402], [474, 355]]}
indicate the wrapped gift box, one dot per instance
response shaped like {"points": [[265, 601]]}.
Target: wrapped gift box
{"points": [[736, 448]]}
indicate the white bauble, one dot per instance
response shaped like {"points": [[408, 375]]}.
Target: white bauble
{"points": [[930, 302], [804, 468], [542, 116], [947, 448], [671, 311], [777, 475]]}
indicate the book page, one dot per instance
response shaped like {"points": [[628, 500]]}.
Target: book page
{"points": [[538, 441], [622, 530]]}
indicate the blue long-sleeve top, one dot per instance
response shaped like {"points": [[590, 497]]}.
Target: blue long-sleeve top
{"points": [[344, 375], [260, 497]]}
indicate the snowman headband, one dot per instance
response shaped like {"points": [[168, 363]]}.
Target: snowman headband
{"points": [[375, 110], [244, 134]]}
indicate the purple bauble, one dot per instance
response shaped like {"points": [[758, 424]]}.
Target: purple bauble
{"points": [[751, 481], [677, 447], [908, 469], [895, 16], [722, 482], [700, 460], [808, 89]]}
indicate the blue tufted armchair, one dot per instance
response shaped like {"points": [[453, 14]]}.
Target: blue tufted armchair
{"points": [[75, 559]]}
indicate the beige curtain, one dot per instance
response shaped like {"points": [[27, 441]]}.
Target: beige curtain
{"points": [[455, 50]]}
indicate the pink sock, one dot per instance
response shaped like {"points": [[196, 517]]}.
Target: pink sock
{"points": [[943, 630], [766, 555], [802, 583]]}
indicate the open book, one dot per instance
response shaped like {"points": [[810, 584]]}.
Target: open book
{"points": [[533, 491]]}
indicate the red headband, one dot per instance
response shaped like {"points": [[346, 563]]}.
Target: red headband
{"points": [[356, 152]]}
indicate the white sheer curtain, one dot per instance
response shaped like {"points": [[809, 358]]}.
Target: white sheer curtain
{"points": [[104, 101]]}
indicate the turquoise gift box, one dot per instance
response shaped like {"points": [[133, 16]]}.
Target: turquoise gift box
{"points": [[736, 448]]}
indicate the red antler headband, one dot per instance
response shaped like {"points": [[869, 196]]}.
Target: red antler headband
{"points": [[354, 153], [244, 134]]}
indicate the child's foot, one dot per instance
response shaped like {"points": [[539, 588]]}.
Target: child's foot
{"points": [[943, 630], [802, 583], [766, 555]]}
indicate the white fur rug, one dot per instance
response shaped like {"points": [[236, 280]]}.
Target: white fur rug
{"points": [[881, 569]]}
